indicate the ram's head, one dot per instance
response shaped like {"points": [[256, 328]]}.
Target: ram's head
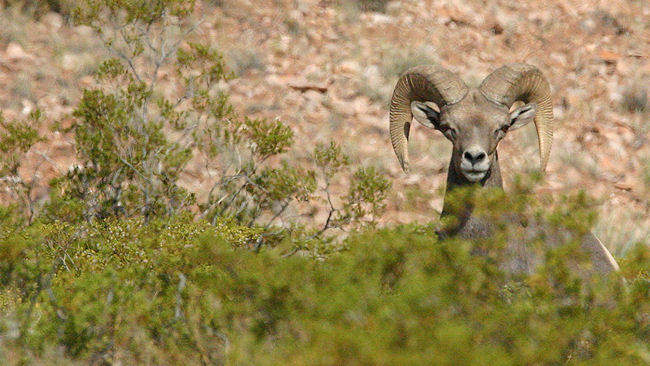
{"points": [[473, 120]]}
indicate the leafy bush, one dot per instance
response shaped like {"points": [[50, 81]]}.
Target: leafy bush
{"points": [[134, 141], [176, 291]]}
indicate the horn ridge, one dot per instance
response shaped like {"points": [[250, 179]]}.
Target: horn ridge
{"points": [[526, 83], [426, 83]]}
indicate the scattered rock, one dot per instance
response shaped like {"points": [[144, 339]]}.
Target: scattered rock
{"points": [[343, 107], [381, 19], [609, 56], [15, 52], [71, 62], [53, 20], [623, 186], [28, 107], [313, 95], [87, 81], [349, 67], [393, 8], [84, 30]]}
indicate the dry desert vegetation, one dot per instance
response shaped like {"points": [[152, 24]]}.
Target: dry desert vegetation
{"points": [[327, 69]]}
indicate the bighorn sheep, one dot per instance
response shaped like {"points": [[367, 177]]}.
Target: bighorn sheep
{"points": [[475, 121]]}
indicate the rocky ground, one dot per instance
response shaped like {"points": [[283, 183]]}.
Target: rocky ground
{"points": [[327, 68]]}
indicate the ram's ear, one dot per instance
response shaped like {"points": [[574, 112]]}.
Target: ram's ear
{"points": [[426, 114], [522, 115]]}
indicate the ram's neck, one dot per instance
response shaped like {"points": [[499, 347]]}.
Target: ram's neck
{"points": [[463, 221]]}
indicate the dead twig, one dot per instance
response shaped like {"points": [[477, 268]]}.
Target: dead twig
{"points": [[305, 86]]}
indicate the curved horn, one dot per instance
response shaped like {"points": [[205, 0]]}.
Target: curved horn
{"points": [[424, 84], [514, 82]]}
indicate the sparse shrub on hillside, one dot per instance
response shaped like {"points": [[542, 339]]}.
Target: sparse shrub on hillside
{"points": [[16, 140], [635, 96], [377, 80], [37, 8], [352, 9], [359, 209], [366, 196], [372, 5], [241, 60], [394, 63], [135, 140]]}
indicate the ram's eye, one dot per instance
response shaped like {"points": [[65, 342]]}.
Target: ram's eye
{"points": [[451, 133], [499, 133]]}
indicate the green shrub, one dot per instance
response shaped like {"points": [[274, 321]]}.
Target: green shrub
{"points": [[134, 144], [176, 291]]}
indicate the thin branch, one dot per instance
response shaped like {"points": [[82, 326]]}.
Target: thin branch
{"points": [[280, 212], [330, 214], [134, 169], [178, 311], [49, 160], [290, 253], [120, 54], [260, 240]]}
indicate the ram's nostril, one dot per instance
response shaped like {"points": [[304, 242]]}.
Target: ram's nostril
{"points": [[475, 156]]}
